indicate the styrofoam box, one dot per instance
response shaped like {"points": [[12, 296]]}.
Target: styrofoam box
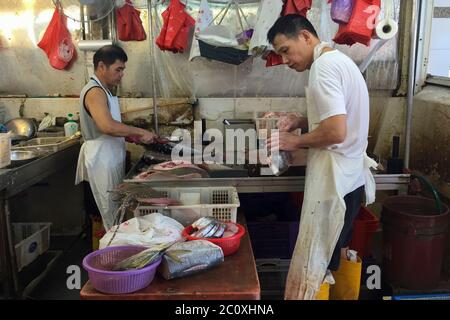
{"points": [[218, 202], [5, 150], [31, 240]]}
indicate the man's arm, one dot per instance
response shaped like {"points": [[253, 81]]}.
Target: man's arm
{"points": [[97, 104], [292, 122], [330, 131]]}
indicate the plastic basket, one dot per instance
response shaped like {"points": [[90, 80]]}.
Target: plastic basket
{"points": [[364, 227], [274, 239], [31, 240], [229, 245], [218, 202], [99, 263], [272, 274]]}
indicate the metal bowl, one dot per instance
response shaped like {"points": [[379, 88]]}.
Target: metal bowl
{"points": [[19, 157], [22, 127]]}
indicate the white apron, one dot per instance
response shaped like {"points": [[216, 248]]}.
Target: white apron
{"points": [[329, 177], [102, 163]]}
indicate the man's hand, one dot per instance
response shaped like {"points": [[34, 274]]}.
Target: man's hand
{"points": [[147, 137], [289, 122], [284, 141]]}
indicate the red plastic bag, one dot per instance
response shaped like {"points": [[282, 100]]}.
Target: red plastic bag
{"points": [[129, 23], [175, 31], [273, 59], [300, 7], [57, 42], [361, 24]]}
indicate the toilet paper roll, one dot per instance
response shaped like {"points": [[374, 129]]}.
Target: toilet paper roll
{"points": [[386, 29], [92, 45]]}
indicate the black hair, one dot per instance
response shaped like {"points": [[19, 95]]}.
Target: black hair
{"points": [[109, 54], [290, 26]]}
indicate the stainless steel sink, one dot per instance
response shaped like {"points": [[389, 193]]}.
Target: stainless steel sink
{"points": [[47, 144]]}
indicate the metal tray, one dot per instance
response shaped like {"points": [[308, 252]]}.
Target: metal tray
{"points": [[47, 144]]}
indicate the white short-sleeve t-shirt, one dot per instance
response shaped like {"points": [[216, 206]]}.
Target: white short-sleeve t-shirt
{"points": [[338, 88]]}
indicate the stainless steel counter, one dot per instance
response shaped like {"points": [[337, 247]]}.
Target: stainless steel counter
{"points": [[274, 184], [14, 181]]}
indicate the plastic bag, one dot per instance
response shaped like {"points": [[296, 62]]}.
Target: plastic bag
{"points": [[144, 231], [361, 24], [300, 7], [175, 31], [129, 23], [194, 256], [341, 10], [57, 41]]}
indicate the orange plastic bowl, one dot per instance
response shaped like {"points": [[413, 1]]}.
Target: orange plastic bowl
{"points": [[229, 245]]}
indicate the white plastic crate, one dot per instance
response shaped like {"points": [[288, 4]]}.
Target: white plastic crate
{"points": [[218, 202], [31, 240]]}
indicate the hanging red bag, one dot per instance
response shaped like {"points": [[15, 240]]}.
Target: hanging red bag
{"points": [[273, 59], [57, 41], [300, 7], [361, 24], [176, 26], [129, 23]]}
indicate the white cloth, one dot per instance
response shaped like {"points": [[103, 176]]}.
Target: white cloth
{"points": [[329, 177], [102, 163], [268, 12], [204, 19]]}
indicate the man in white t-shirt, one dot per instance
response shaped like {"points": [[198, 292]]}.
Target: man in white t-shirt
{"points": [[340, 113]]}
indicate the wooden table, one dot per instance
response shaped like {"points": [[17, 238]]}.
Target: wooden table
{"points": [[234, 279]]}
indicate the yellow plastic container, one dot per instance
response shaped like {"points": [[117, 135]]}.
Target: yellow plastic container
{"points": [[348, 281], [324, 292]]}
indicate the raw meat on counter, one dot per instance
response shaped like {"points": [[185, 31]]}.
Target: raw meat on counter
{"points": [[169, 170], [159, 175]]}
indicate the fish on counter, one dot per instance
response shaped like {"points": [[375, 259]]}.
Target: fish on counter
{"points": [[209, 227], [169, 170]]}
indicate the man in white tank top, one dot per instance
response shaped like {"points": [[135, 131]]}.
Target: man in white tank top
{"points": [[102, 157]]}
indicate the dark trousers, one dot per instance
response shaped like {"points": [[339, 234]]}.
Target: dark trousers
{"points": [[353, 204]]}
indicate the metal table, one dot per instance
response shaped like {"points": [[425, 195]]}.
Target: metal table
{"points": [[274, 184], [12, 182]]}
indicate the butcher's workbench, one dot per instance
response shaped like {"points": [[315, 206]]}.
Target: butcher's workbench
{"points": [[234, 279]]}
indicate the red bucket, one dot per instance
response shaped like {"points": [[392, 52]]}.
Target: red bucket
{"points": [[364, 227]]}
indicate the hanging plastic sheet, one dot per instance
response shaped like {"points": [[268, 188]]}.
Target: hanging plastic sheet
{"points": [[198, 78]]}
